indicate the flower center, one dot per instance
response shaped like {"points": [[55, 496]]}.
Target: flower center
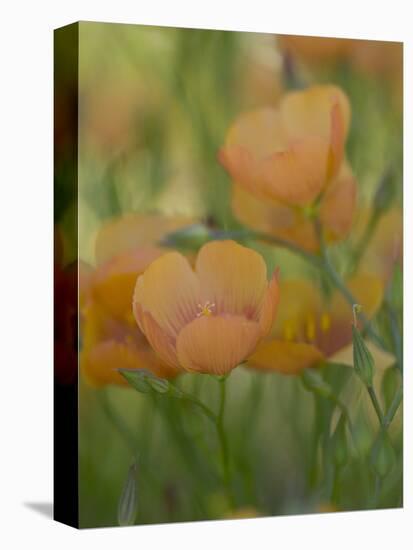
{"points": [[205, 310]]}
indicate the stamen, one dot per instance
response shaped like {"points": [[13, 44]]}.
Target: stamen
{"points": [[310, 328], [289, 331], [325, 322], [206, 309]]}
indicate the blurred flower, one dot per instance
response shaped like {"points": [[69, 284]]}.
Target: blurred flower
{"points": [[211, 319], [317, 50], [287, 161], [127, 232], [308, 329], [292, 224], [110, 337], [385, 248], [368, 56]]}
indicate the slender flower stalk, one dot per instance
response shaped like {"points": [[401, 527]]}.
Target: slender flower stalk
{"points": [[223, 442]]}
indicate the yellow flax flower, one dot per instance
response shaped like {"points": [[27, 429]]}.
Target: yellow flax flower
{"points": [[310, 329], [210, 319], [286, 161]]}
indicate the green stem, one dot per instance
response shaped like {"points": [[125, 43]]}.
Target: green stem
{"points": [[361, 246], [340, 285], [396, 335], [223, 442], [270, 239]]}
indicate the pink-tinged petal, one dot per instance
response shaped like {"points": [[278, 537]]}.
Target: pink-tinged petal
{"points": [[162, 342], [169, 290], [232, 277], [338, 205], [216, 344], [285, 357], [270, 304], [298, 174]]}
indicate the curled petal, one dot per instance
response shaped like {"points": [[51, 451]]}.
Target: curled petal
{"points": [[232, 277], [216, 344], [269, 306], [285, 357], [160, 340], [169, 290]]}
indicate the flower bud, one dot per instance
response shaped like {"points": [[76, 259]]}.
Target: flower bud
{"points": [[145, 382], [383, 456], [314, 382], [191, 237], [385, 193], [362, 358], [128, 502]]}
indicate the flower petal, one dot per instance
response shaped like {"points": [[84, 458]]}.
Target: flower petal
{"points": [[309, 112], [261, 132], [232, 277], [298, 174], [216, 344], [285, 357], [130, 231], [169, 290], [338, 205], [269, 306], [99, 365], [162, 342], [114, 281], [243, 168], [273, 218]]}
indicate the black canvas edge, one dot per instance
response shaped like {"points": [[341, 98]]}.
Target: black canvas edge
{"points": [[65, 398]]}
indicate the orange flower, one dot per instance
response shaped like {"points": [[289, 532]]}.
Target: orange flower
{"points": [[110, 337], [309, 329], [211, 319], [385, 248], [368, 56], [292, 224], [318, 49], [284, 161]]}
